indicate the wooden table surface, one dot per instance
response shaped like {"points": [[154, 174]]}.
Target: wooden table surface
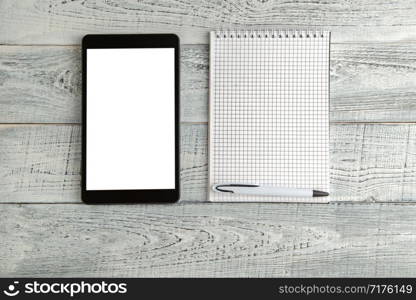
{"points": [[369, 229]]}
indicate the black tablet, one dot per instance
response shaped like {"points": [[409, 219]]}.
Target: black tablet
{"points": [[130, 144]]}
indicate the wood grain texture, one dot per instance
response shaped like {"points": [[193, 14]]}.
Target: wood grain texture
{"points": [[373, 82], [43, 84], [40, 84], [369, 82], [218, 240], [66, 21], [41, 163]]}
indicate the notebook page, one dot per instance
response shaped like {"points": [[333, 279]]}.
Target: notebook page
{"points": [[269, 112]]}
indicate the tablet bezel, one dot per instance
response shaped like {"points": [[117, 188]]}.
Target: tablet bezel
{"points": [[120, 41]]}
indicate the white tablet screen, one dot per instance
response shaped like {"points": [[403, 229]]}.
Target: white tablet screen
{"points": [[130, 139]]}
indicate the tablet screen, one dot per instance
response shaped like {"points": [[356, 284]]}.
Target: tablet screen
{"points": [[130, 113]]}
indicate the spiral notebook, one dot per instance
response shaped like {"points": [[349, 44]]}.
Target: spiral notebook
{"points": [[269, 112]]}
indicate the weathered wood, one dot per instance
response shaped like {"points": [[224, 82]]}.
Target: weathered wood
{"points": [[369, 82], [373, 79], [215, 240], [66, 21], [41, 163], [373, 82], [373, 162], [43, 84], [40, 84]]}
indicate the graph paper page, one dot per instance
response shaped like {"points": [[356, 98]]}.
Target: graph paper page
{"points": [[269, 112]]}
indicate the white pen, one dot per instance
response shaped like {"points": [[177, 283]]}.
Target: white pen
{"points": [[254, 189]]}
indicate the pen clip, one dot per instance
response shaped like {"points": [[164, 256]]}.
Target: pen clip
{"points": [[220, 187]]}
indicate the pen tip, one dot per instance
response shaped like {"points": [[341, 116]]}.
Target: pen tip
{"points": [[320, 194]]}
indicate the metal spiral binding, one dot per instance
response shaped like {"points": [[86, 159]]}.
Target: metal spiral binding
{"points": [[270, 33]]}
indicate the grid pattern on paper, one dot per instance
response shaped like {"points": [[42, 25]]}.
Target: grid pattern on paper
{"points": [[269, 111]]}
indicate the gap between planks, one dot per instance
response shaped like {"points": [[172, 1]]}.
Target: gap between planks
{"points": [[207, 43], [206, 123], [190, 202]]}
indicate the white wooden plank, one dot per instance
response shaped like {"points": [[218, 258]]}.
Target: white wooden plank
{"points": [[40, 84], [369, 82], [214, 240], [41, 163], [66, 21], [373, 162]]}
